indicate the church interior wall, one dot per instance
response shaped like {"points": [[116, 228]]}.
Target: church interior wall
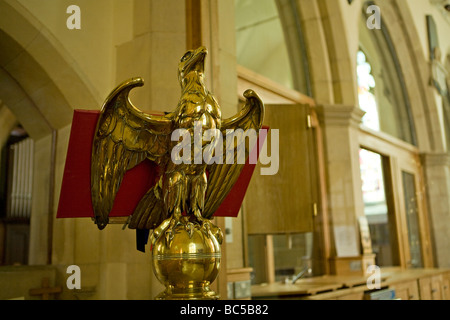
{"points": [[120, 39]]}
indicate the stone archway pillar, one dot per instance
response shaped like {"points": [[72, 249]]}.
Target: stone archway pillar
{"points": [[340, 125], [437, 172]]}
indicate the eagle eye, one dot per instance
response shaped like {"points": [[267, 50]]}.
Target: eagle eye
{"points": [[186, 56]]}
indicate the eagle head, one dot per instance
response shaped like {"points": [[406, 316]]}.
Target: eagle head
{"points": [[192, 61]]}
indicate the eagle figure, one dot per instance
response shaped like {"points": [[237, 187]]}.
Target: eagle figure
{"points": [[188, 192]]}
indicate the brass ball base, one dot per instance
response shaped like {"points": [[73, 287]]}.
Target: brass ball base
{"points": [[198, 293], [187, 264]]}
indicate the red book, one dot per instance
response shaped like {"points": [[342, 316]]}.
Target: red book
{"points": [[75, 197]]}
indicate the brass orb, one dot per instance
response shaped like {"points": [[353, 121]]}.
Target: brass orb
{"points": [[187, 264]]}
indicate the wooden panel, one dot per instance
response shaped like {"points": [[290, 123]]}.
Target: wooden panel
{"points": [[405, 282], [436, 288], [283, 203], [430, 288], [270, 259], [407, 290], [279, 289], [352, 296], [422, 214], [446, 286], [425, 288], [351, 265], [238, 274]]}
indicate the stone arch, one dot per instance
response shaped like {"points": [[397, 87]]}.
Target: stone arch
{"points": [[320, 74], [331, 60], [416, 74], [331, 36], [35, 73], [41, 86]]}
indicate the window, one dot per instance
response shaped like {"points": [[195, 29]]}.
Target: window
{"points": [[366, 95], [269, 42], [376, 209], [390, 167], [412, 219], [381, 88], [446, 111], [292, 254]]}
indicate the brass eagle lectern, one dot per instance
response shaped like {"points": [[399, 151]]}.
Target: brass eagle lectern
{"points": [[191, 186]]}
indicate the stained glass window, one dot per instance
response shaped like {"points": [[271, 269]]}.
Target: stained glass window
{"points": [[366, 96]]}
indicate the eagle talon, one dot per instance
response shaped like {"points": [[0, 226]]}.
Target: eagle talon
{"points": [[206, 227], [209, 229], [169, 237], [159, 231], [166, 228], [189, 227], [217, 232]]}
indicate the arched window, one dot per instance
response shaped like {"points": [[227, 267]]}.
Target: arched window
{"points": [[446, 105], [381, 91], [366, 94], [389, 158]]}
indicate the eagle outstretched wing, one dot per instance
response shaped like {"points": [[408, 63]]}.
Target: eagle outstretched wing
{"points": [[222, 177], [124, 137]]}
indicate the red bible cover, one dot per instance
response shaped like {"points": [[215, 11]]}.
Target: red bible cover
{"points": [[75, 196]]}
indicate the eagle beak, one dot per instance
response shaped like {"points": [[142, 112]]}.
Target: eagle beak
{"points": [[202, 50]]}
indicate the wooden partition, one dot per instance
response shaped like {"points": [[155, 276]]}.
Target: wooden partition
{"points": [[284, 202]]}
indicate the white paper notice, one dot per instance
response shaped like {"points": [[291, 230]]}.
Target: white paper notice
{"points": [[346, 241]]}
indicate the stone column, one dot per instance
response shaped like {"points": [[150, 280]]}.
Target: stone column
{"points": [[437, 179], [340, 125], [154, 45]]}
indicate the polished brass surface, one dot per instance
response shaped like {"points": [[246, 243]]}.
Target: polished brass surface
{"points": [[189, 265], [188, 193]]}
